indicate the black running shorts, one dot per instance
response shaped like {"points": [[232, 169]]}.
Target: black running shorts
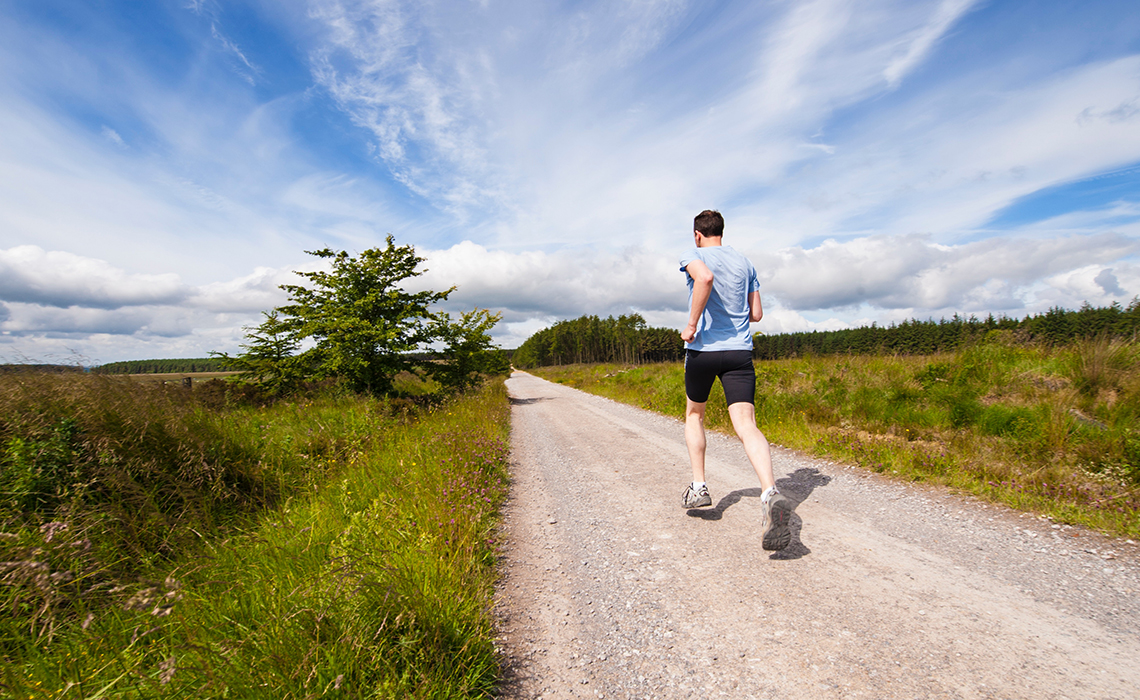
{"points": [[734, 367]]}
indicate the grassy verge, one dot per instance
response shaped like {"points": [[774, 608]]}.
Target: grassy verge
{"points": [[1053, 431], [335, 546]]}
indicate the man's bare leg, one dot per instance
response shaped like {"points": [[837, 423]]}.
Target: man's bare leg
{"points": [[695, 437], [743, 415], [776, 532]]}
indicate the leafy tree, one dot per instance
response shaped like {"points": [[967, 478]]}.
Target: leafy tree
{"points": [[362, 328], [269, 355], [469, 351], [362, 323]]}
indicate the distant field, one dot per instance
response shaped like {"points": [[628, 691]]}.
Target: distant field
{"points": [[179, 376]]}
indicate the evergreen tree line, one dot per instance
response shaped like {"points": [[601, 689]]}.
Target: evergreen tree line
{"points": [[1056, 326], [627, 339], [591, 339], [198, 364]]}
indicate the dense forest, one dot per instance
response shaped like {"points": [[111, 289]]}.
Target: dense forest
{"points": [[627, 339], [591, 339], [1056, 326], [197, 364]]}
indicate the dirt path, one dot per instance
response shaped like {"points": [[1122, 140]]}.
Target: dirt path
{"points": [[611, 589]]}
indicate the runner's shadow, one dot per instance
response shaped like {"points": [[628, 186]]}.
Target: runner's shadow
{"points": [[796, 549], [527, 402], [730, 499], [797, 486]]}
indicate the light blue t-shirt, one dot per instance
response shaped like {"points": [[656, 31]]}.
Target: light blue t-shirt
{"points": [[724, 324]]}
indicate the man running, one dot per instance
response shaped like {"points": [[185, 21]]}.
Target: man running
{"points": [[724, 297]]}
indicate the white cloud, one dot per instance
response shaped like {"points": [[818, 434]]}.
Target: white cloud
{"points": [[913, 272], [112, 136], [946, 162], [253, 293], [570, 283], [247, 70], [32, 275], [918, 44]]}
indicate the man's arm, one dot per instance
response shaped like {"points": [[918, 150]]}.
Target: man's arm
{"points": [[755, 310], [702, 288]]}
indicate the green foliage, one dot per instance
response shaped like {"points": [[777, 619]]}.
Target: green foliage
{"points": [[362, 322], [139, 459], [1099, 363], [36, 470], [469, 352], [364, 329], [269, 356], [625, 339], [370, 579]]}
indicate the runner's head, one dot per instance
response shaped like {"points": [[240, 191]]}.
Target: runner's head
{"points": [[709, 223]]}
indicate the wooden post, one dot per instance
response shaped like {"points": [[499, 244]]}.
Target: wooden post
{"points": [[186, 382]]}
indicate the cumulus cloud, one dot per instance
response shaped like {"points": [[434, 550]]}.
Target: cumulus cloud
{"points": [[55, 278], [558, 285], [901, 275], [914, 272], [256, 292], [1108, 282]]}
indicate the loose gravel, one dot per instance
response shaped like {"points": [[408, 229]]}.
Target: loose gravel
{"points": [[610, 589]]}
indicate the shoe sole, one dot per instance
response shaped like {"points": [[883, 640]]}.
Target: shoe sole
{"points": [[778, 534], [699, 504]]}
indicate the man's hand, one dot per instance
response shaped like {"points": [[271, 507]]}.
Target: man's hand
{"points": [[689, 333]]}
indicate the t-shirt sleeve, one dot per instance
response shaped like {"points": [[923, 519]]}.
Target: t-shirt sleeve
{"points": [[753, 280], [691, 255]]}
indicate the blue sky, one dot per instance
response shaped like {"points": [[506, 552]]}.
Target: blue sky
{"points": [[164, 165]]}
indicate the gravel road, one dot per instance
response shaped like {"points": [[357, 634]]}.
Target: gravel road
{"points": [[610, 589]]}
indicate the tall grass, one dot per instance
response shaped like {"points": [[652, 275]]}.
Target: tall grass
{"points": [[332, 545], [1053, 430]]}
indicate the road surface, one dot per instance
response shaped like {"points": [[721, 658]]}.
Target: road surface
{"points": [[610, 589]]}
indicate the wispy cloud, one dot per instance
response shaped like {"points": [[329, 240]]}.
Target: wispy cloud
{"points": [[415, 98], [918, 44], [247, 70]]}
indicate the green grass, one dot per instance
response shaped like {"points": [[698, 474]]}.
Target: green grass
{"points": [[1053, 431], [332, 546]]}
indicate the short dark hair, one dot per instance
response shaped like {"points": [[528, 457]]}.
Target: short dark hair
{"points": [[709, 222]]}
